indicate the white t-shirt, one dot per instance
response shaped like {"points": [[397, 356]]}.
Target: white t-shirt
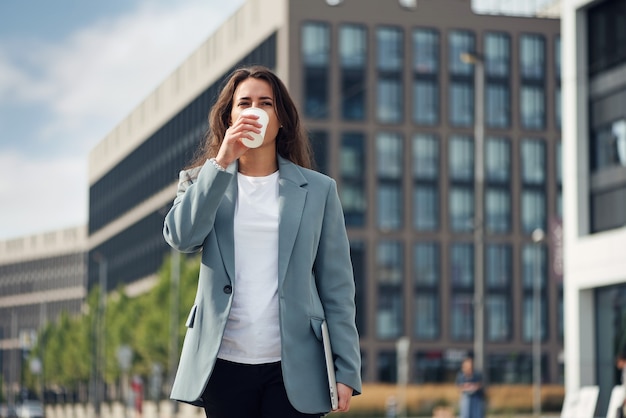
{"points": [[252, 333]]}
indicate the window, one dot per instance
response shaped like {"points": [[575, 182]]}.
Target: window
{"points": [[499, 266], [389, 268], [353, 58], [425, 51], [352, 167], [498, 315], [533, 210], [607, 37], [425, 101], [315, 51], [497, 54], [426, 262], [389, 151], [609, 145], [462, 327], [460, 42], [497, 160], [532, 105], [426, 278], [425, 152], [461, 209], [461, 158], [532, 57], [425, 206], [534, 266], [497, 104], [389, 62], [389, 49], [498, 210], [461, 103], [425, 77], [533, 161], [462, 266], [390, 100]]}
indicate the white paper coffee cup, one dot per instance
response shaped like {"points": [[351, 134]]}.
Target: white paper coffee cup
{"points": [[263, 119]]}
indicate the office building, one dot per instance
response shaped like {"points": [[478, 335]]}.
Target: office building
{"points": [[594, 192], [390, 109], [41, 276]]}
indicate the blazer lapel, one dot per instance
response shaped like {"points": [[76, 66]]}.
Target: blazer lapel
{"points": [[224, 225], [291, 200]]}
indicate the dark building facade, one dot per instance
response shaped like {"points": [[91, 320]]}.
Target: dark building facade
{"points": [[390, 109]]}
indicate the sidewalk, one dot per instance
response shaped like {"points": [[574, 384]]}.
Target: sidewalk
{"points": [[117, 410]]}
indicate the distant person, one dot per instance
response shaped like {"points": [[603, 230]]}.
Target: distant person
{"points": [[137, 388], [470, 383], [275, 263]]}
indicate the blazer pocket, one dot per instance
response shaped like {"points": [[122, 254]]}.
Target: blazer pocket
{"points": [[191, 319], [316, 324]]}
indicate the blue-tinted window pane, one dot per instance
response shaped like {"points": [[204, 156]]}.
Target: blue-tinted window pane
{"points": [[352, 167], [533, 210], [462, 326], [460, 42], [425, 157], [389, 155], [315, 44], [498, 210], [352, 46], [462, 265], [389, 151], [533, 107], [557, 56], [533, 162], [461, 103], [426, 264], [498, 314], [499, 267], [532, 57], [497, 105], [497, 160], [319, 144], [461, 158], [353, 57], [315, 55], [534, 265], [608, 145], [426, 315], [389, 267], [461, 209], [389, 49], [425, 101], [497, 54], [425, 207], [425, 51], [528, 320], [389, 104]]}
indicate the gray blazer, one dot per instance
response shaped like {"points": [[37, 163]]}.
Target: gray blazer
{"points": [[315, 280]]}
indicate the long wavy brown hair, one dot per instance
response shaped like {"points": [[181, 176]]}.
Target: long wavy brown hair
{"points": [[292, 142]]}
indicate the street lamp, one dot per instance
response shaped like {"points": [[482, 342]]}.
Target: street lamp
{"points": [[478, 62], [537, 236]]}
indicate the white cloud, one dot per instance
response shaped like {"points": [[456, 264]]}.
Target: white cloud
{"points": [[39, 196], [86, 84]]}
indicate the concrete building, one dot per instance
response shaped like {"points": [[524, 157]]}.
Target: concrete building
{"points": [[594, 163], [390, 108], [41, 276]]}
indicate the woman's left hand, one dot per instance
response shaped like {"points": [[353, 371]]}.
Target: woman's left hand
{"points": [[345, 394]]}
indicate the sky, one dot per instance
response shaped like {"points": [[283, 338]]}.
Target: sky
{"points": [[70, 71]]}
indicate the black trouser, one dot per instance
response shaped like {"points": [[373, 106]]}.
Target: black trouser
{"points": [[248, 391]]}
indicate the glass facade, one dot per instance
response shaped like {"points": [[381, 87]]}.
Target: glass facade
{"points": [[390, 66], [353, 63], [315, 59]]}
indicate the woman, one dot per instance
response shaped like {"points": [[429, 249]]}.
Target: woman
{"points": [[275, 264], [472, 393]]}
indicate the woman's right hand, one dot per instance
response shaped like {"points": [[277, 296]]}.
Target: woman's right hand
{"points": [[232, 148]]}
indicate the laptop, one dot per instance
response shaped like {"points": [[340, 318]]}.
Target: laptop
{"points": [[330, 367]]}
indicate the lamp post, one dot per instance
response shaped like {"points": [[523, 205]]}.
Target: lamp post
{"points": [[538, 237], [478, 62]]}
